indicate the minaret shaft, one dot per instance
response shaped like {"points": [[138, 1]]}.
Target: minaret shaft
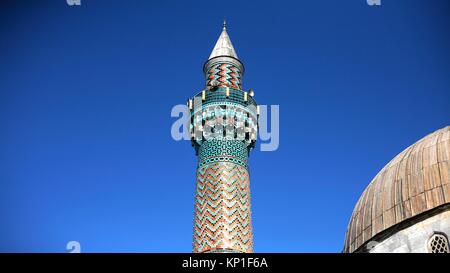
{"points": [[222, 205], [223, 130]]}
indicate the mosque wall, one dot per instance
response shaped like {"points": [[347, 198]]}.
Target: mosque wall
{"points": [[414, 238]]}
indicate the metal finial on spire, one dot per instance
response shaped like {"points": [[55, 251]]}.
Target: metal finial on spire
{"points": [[224, 24]]}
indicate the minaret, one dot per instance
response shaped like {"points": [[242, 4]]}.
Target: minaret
{"points": [[224, 123]]}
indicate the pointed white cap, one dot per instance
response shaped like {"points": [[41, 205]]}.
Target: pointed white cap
{"points": [[223, 47]]}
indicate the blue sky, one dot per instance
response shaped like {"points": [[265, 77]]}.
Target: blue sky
{"points": [[86, 94]]}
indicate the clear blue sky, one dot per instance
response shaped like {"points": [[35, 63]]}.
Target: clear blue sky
{"points": [[86, 93]]}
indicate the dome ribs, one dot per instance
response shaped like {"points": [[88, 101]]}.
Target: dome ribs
{"points": [[413, 182]]}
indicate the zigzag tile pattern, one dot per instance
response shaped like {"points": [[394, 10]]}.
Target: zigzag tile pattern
{"points": [[222, 220], [225, 74]]}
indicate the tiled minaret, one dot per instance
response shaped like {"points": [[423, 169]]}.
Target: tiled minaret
{"points": [[223, 129]]}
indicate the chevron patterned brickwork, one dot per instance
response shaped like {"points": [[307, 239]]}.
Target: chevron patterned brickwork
{"points": [[224, 74], [222, 221], [223, 128]]}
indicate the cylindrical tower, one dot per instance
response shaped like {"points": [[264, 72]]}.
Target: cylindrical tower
{"points": [[224, 123]]}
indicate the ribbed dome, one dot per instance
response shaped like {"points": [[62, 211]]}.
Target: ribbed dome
{"points": [[415, 181]]}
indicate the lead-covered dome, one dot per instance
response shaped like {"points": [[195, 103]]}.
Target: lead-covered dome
{"points": [[414, 182]]}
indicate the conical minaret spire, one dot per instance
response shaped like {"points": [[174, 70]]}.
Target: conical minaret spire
{"points": [[223, 68], [223, 46], [224, 124]]}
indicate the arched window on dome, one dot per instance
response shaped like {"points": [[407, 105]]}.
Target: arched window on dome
{"points": [[438, 243]]}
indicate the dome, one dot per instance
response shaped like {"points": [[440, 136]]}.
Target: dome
{"points": [[415, 182]]}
